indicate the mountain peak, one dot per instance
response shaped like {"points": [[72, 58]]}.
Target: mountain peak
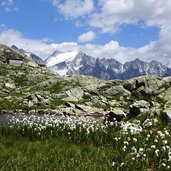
{"points": [[59, 57], [77, 51], [14, 47]]}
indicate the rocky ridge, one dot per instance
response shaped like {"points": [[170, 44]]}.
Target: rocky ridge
{"points": [[78, 63]]}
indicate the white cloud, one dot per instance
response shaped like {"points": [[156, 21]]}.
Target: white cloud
{"points": [[113, 13], [3, 26], [39, 47], [124, 54], [74, 8], [9, 5], [87, 37], [109, 15], [156, 50]]}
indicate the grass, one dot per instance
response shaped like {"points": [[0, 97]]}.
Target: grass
{"points": [[54, 154], [82, 144]]}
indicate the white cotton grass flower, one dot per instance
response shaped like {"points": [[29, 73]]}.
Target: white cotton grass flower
{"points": [[116, 139], [165, 142], [113, 164], [163, 148], [169, 156], [162, 135], [153, 146], [124, 148], [122, 164], [135, 139], [134, 149], [126, 142], [132, 127], [148, 135], [163, 164], [156, 141], [157, 152], [141, 151], [144, 155]]}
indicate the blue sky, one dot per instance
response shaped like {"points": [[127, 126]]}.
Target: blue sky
{"points": [[112, 26], [37, 19]]}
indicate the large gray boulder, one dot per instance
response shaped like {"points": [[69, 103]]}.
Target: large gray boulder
{"points": [[166, 115], [138, 108], [77, 93], [147, 85], [167, 98], [115, 114], [117, 90], [35, 99]]}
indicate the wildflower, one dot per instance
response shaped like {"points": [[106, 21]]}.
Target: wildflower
{"points": [[126, 142], [166, 132], [163, 164], [168, 148], [144, 155], [134, 149], [138, 155], [165, 141], [141, 150], [124, 148], [148, 135], [164, 148], [134, 139], [122, 164], [113, 164], [129, 139], [157, 152], [156, 141], [111, 124], [153, 146], [169, 155], [116, 139], [161, 134]]}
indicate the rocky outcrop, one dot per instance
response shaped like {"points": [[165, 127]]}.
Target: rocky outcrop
{"points": [[146, 85], [75, 93], [117, 91], [166, 115], [115, 114], [35, 99]]}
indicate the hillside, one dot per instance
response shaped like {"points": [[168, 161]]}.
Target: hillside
{"points": [[30, 88]]}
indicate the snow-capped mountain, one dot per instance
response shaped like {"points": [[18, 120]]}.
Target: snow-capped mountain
{"points": [[138, 68], [34, 57], [69, 63], [78, 63]]}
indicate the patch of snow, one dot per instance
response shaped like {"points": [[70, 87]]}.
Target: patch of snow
{"points": [[62, 57], [77, 67], [62, 72]]}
